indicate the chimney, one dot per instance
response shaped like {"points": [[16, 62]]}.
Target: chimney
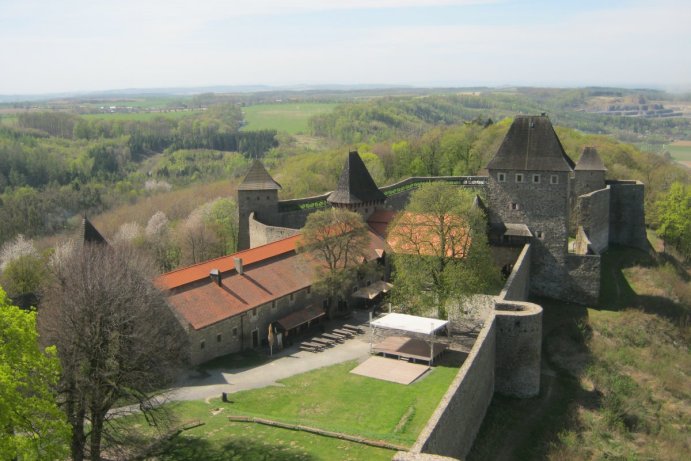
{"points": [[238, 265], [215, 276]]}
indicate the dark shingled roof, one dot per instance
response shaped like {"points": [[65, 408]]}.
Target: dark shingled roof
{"points": [[89, 234], [531, 144], [258, 179], [355, 184], [590, 160]]}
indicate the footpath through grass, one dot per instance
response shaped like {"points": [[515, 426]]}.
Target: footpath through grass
{"points": [[289, 117], [329, 398]]}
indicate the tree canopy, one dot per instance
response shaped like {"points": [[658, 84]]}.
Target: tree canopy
{"points": [[674, 214], [440, 249], [337, 239], [115, 337], [32, 427]]}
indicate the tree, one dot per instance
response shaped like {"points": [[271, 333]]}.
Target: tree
{"points": [[116, 338], [32, 427], [441, 250], [674, 214], [337, 239]]}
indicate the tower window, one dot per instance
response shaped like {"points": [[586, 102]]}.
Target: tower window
{"points": [[519, 177], [513, 206], [235, 332], [540, 235], [501, 177], [554, 179], [218, 338], [202, 345], [536, 179]]}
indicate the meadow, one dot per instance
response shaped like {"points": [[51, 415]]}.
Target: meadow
{"points": [[291, 118], [681, 152]]}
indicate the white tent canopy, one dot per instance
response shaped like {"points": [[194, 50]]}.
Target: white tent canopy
{"points": [[410, 323]]}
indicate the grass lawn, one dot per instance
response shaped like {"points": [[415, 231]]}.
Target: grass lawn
{"points": [[289, 117], [329, 398], [680, 150]]}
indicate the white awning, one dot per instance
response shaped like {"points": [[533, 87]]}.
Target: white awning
{"points": [[411, 323], [373, 290]]}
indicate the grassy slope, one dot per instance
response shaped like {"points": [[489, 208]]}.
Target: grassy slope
{"points": [[615, 382], [329, 398], [290, 117]]}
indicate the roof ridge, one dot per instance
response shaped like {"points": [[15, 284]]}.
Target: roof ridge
{"points": [[355, 185], [257, 178]]}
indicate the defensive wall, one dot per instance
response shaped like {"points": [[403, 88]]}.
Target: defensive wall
{"points": [[592, 213], [627, 214], [261, 234], [505, 358]]}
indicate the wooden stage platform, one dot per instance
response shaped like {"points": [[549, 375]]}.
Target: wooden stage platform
{"points": [[395, 371], [410, 349]]}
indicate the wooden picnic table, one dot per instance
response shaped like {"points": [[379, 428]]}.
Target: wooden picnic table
{"points": [[308, 345], [338, 338], [353, 328], [347, 333], [325, 341]]}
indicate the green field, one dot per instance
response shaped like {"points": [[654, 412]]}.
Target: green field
{"points": [[141, 116], [681, 151], [329, 398], [289, 117]]}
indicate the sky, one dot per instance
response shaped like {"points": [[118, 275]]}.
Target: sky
{"points": [[50, 46]]}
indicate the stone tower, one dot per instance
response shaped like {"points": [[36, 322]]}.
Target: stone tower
{"points": [[529, 185], [356, 189], [589, 172], [258, 194]]}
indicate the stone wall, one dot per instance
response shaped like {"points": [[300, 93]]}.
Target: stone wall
{"points": [[517, 286], [584, 278], [519, 345], [587, 181], [627, 214], [236, 332], [593, 214], [264, 205], [261, 234], [454, 424]]}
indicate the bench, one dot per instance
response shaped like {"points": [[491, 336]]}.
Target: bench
{"points": [[353, 328], [324, 341], [312, 347], [346, 333], [338, 338]]}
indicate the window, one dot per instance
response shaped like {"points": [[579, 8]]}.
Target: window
{"points": [[273, 304], [254, 312], [235, 332], [501, 177], [291, 297], [202, 345], [540, 235], [536, 179], [514, 206], [554, 179], [519, 177], [218, 338], [309, 290], [354, 288]]}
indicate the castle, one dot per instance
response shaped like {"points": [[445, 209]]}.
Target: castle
{"points": [[534, 193], [534, 197]]}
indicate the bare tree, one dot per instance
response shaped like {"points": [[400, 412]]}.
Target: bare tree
{"points": [[116, 338]]}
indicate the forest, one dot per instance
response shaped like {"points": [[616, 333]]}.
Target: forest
{"points": [[166, 183]]}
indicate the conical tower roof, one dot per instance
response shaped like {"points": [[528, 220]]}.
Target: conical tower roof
{"points": [[590, 161], [531, 144], [355, 184], [89, 234], [258, 179]]}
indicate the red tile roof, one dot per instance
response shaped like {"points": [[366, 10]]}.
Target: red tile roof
{"points": [[224, 264], [270, 271]]}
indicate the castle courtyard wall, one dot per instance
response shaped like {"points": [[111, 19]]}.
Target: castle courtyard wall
{"points": [[261, 234], [584, 278], [592, 212]]}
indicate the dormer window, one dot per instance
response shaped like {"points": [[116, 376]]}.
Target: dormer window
{"points": [[519, 177]]}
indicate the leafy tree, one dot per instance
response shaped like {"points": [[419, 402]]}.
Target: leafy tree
{"points": [[674, 214], [116, 338], [441, 250], [32, 427], [222, 216], [337, 239]]}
